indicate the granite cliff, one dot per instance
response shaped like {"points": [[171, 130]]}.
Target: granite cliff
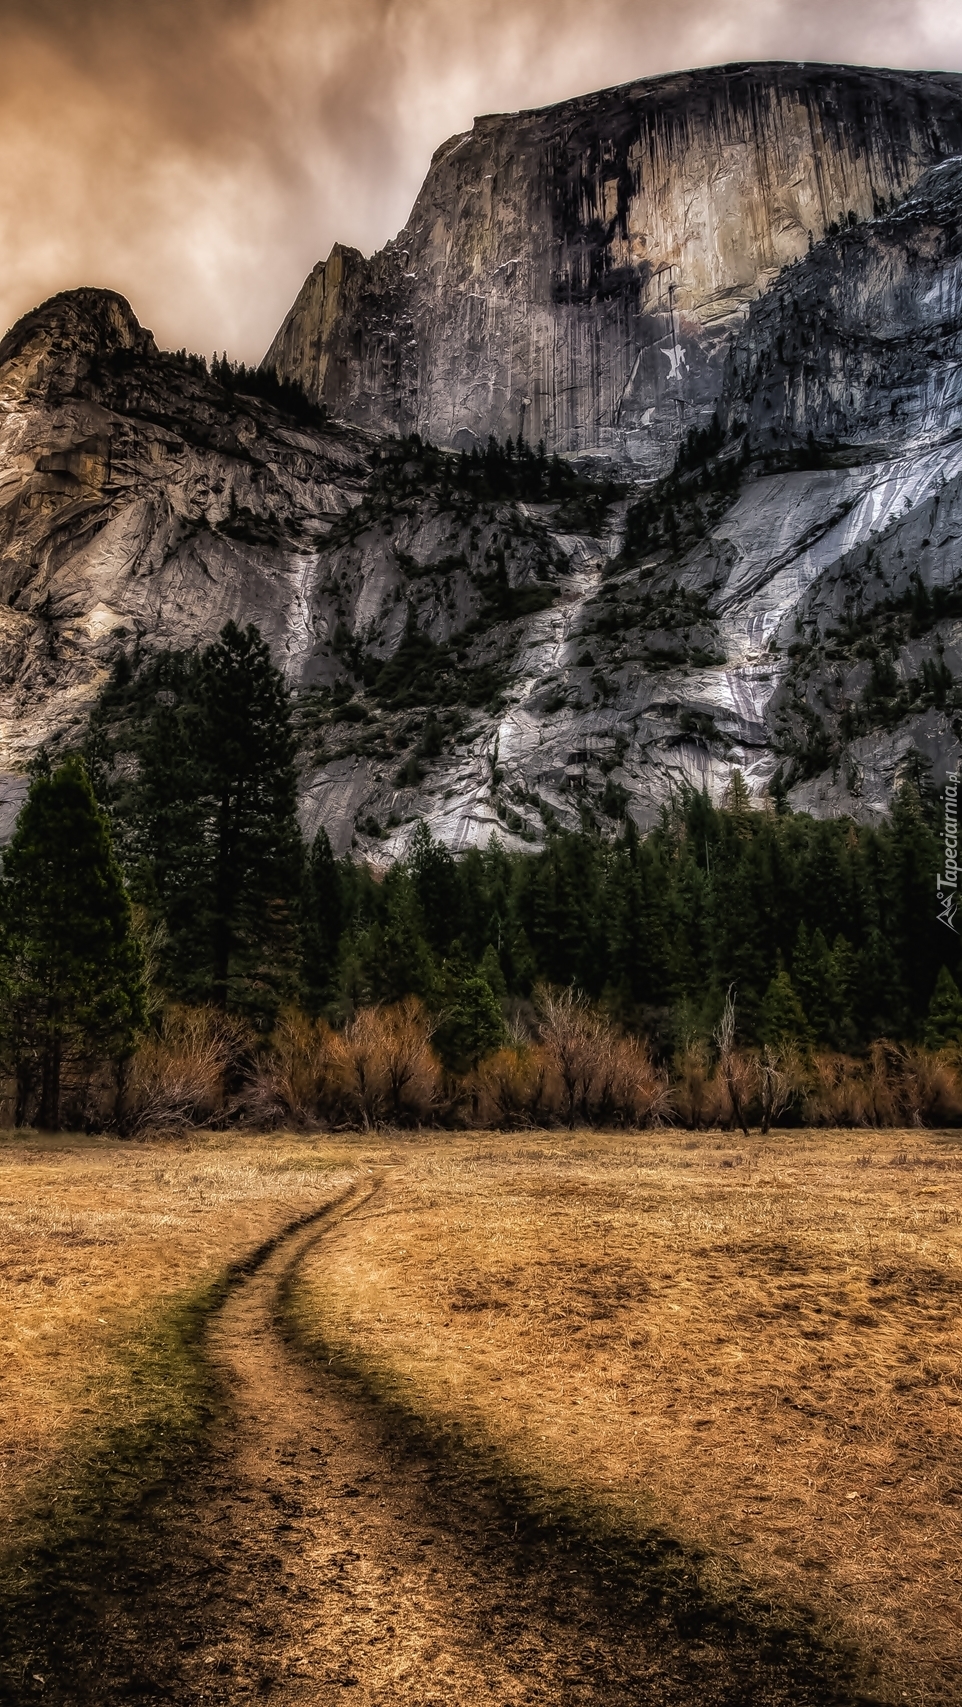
{"points": [[503, 644], [576, 273]]}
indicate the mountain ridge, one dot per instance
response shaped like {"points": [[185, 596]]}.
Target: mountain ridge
{"points": [[575, 272], [499, 643]]}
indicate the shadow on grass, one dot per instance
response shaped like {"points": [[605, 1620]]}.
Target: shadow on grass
{"points": [[678, 1596], [86, 1609]]}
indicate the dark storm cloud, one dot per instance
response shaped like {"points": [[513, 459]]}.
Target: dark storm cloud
{"points": [[200, 155]]}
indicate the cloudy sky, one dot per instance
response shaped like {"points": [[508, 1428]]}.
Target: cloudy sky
{"points": [[201, 155]]}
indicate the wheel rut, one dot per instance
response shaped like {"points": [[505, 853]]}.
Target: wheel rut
{"points": [[314, 1556], [366, 1581]]}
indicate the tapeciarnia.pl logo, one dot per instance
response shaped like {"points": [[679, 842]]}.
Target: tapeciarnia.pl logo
{"points": [[947, 881]]}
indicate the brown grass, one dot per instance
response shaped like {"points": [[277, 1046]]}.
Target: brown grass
{"points": [[759, 1347], [95, 1238]]}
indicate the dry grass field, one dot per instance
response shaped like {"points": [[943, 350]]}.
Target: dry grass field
{"points": [[97, 1241], [758, 1350], [755, 1352]]}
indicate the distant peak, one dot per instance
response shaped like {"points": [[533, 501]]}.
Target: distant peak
{"points": [[84, 321]]}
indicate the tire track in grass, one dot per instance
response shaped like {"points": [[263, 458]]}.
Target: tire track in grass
{"points": [[90, 1586], [304, 1539]]}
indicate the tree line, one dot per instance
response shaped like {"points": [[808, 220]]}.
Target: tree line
{"points": [[165, 865]]}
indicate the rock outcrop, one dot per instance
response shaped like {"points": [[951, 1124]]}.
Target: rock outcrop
{"points": [[141, 506], [576, 273], [498, 658]]}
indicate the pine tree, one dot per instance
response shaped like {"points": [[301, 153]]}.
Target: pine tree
{"points": [[842, 982], [216, 810], [71, 965], [811, 976], [399, 961], [257, 852], [436, 885], [943, 1025], [324, 922], [782, 1017], [472, 1025], [878, 988], [491, 971], [911, 853]]}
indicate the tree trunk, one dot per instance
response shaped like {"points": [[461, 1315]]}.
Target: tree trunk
{"points": [[48, 1117], [225, 897], [122, 1110], [24, 1075], [734, 1098]]}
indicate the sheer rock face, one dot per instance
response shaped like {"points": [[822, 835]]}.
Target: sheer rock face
{"points": [[576, 273], [142, 507], [859, 349], [816, 623]]}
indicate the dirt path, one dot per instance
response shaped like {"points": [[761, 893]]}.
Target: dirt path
{"points": [[316, 1559], [364, 1576], [351, 1570]]}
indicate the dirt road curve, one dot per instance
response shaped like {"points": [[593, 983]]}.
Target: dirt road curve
{"points": [[316, 1559], [369, 1582]]}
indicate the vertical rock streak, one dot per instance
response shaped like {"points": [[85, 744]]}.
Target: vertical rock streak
{"points": [[576, 273]]}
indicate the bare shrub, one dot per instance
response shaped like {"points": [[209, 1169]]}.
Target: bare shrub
{"points": [[781, 1078], [387, 1066], [898, 1085], [882, 1075], [358, 1060], [291, 1078], [699, 1098], [177, 1076], [571, 1033], [511, 1086], [411, 1068], [911, 1087], [836, 1092], [629, 1089], [738, 1071], [933, 1091]]}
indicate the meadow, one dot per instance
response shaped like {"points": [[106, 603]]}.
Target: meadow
{"points": [[101, 1244], [751, 1352]]}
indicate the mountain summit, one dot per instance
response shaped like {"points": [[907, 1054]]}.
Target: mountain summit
{"points": [[732, 298], [576, 273]]}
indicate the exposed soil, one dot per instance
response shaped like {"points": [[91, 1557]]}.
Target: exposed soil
{"points": [[318, 1557]]}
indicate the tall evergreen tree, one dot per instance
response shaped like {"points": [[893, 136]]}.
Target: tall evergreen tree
{"points": [[399, 961], [812, 978], [71, 966], [781, 1017], [437, 886], [943, 1025], [911, 861], [471, 1023], [324, 921], [217, 809]]}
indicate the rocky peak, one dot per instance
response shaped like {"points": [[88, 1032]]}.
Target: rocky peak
{"points": [[576, 273], [48, 350], [502, 644]]}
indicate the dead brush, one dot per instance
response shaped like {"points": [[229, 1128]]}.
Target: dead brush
{"points": [[781, 1079], [911, 1086], [836, 1092], [177, 1078], [698, 1096], [511, 1086], [297, 1073], [386, 1066], [737, 1070], [571, 1034], [627, 1089]]}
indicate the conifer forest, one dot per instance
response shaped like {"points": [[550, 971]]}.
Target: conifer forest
{"points": [[174, 949]]}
